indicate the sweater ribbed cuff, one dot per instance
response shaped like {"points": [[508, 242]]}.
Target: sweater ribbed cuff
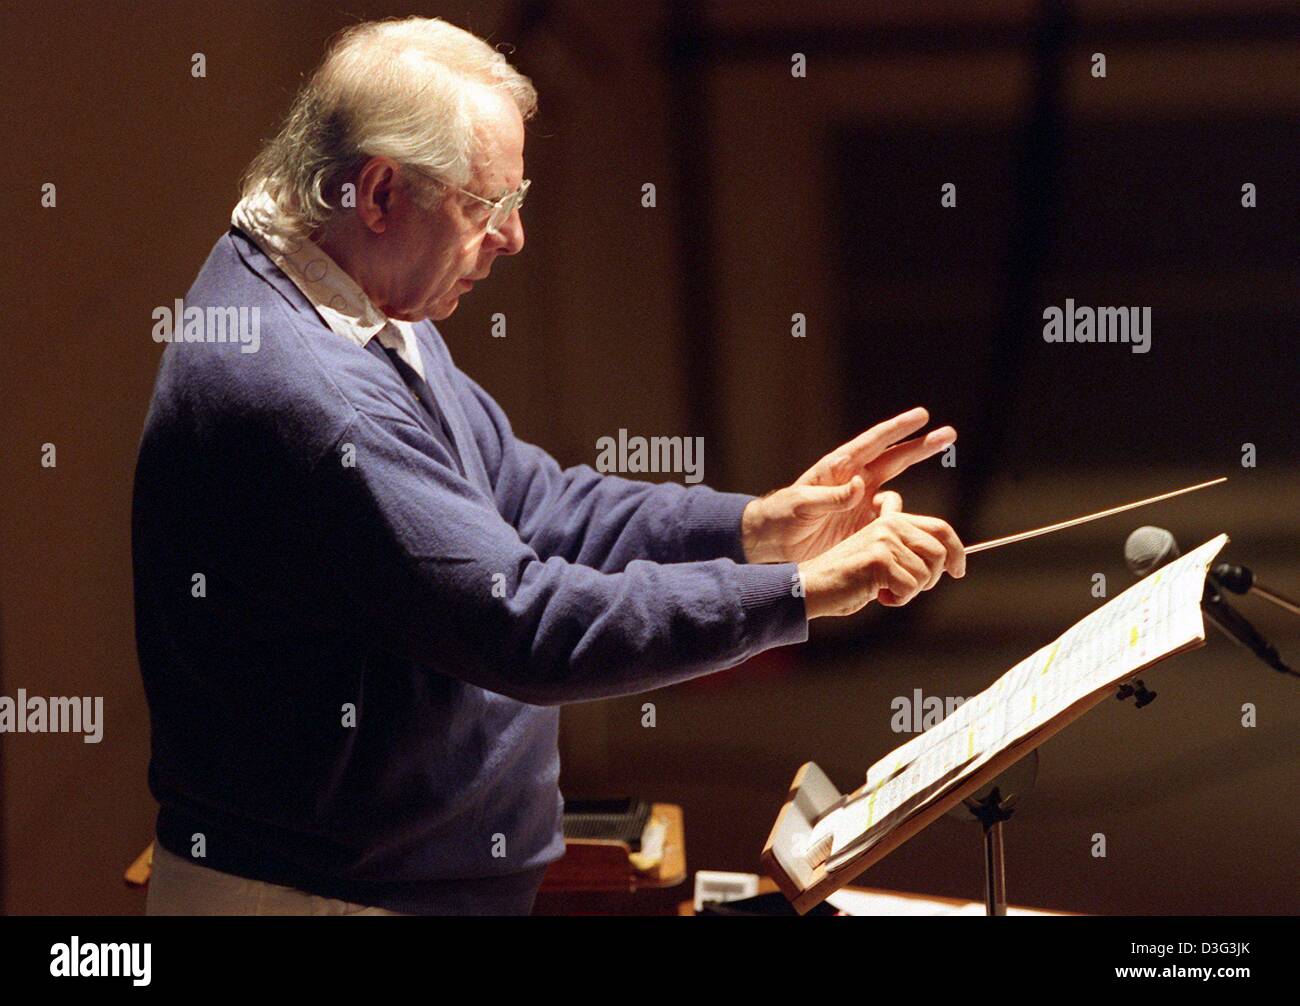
{"points": [[711, 520], [772, 597]]}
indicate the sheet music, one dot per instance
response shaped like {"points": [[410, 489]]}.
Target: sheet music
{"points": [[1153, 618]]}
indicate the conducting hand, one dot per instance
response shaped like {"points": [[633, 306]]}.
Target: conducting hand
{"points": [[840, 494], [891, 560]]}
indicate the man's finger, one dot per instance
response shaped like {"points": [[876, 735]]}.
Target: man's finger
{"points": [[887, 502], [867, 446], [918, 563], [928, 550], [901, 457], [941, 529], [901, 586]]}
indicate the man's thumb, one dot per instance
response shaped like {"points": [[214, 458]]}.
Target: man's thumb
{"points": [[829, 499]]}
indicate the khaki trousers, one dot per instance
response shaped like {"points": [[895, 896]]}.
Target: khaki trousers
{"points": [[178, 886]]}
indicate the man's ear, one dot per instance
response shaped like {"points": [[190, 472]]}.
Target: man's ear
{"points": [[376, 183]]}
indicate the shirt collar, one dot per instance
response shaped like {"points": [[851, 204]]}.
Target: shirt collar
{"points": [[335, 295]]}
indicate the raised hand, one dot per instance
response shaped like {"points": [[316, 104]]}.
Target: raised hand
{"points": [[839, 495]]}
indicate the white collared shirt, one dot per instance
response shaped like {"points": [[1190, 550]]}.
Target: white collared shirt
{"points": [[335, 295]]}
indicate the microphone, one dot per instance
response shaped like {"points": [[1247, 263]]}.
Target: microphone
{"points": [[1149, 548]]}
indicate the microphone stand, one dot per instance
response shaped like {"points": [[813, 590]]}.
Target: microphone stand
{"points": [[1240, 631], [1240, 580]]}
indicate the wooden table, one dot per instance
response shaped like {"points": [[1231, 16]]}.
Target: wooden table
{"points": [[884, 902], [596, 877]]}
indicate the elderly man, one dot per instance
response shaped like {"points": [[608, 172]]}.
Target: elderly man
{"points": [[359, 597]]}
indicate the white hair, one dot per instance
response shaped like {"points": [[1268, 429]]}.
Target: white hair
{"points": [[395, 88]]}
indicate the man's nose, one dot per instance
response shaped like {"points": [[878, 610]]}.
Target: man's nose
{"points": [[510, 238]]}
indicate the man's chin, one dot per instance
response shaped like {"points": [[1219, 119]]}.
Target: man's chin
{"points": [[442, 308], [434, 310]]}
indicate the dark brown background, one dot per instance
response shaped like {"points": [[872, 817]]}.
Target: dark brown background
{"points": [[775, 195]]}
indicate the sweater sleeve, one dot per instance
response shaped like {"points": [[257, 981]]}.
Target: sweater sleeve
{"points": [[451, 585], [598, 520]]}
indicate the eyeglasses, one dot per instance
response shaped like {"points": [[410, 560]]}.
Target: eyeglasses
{"points": [[500, 210]]}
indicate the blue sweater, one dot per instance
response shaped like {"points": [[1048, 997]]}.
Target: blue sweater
{"points": [[361, 701]]}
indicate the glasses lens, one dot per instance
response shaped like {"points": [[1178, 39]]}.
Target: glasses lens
{"points": [[506, 207]]}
